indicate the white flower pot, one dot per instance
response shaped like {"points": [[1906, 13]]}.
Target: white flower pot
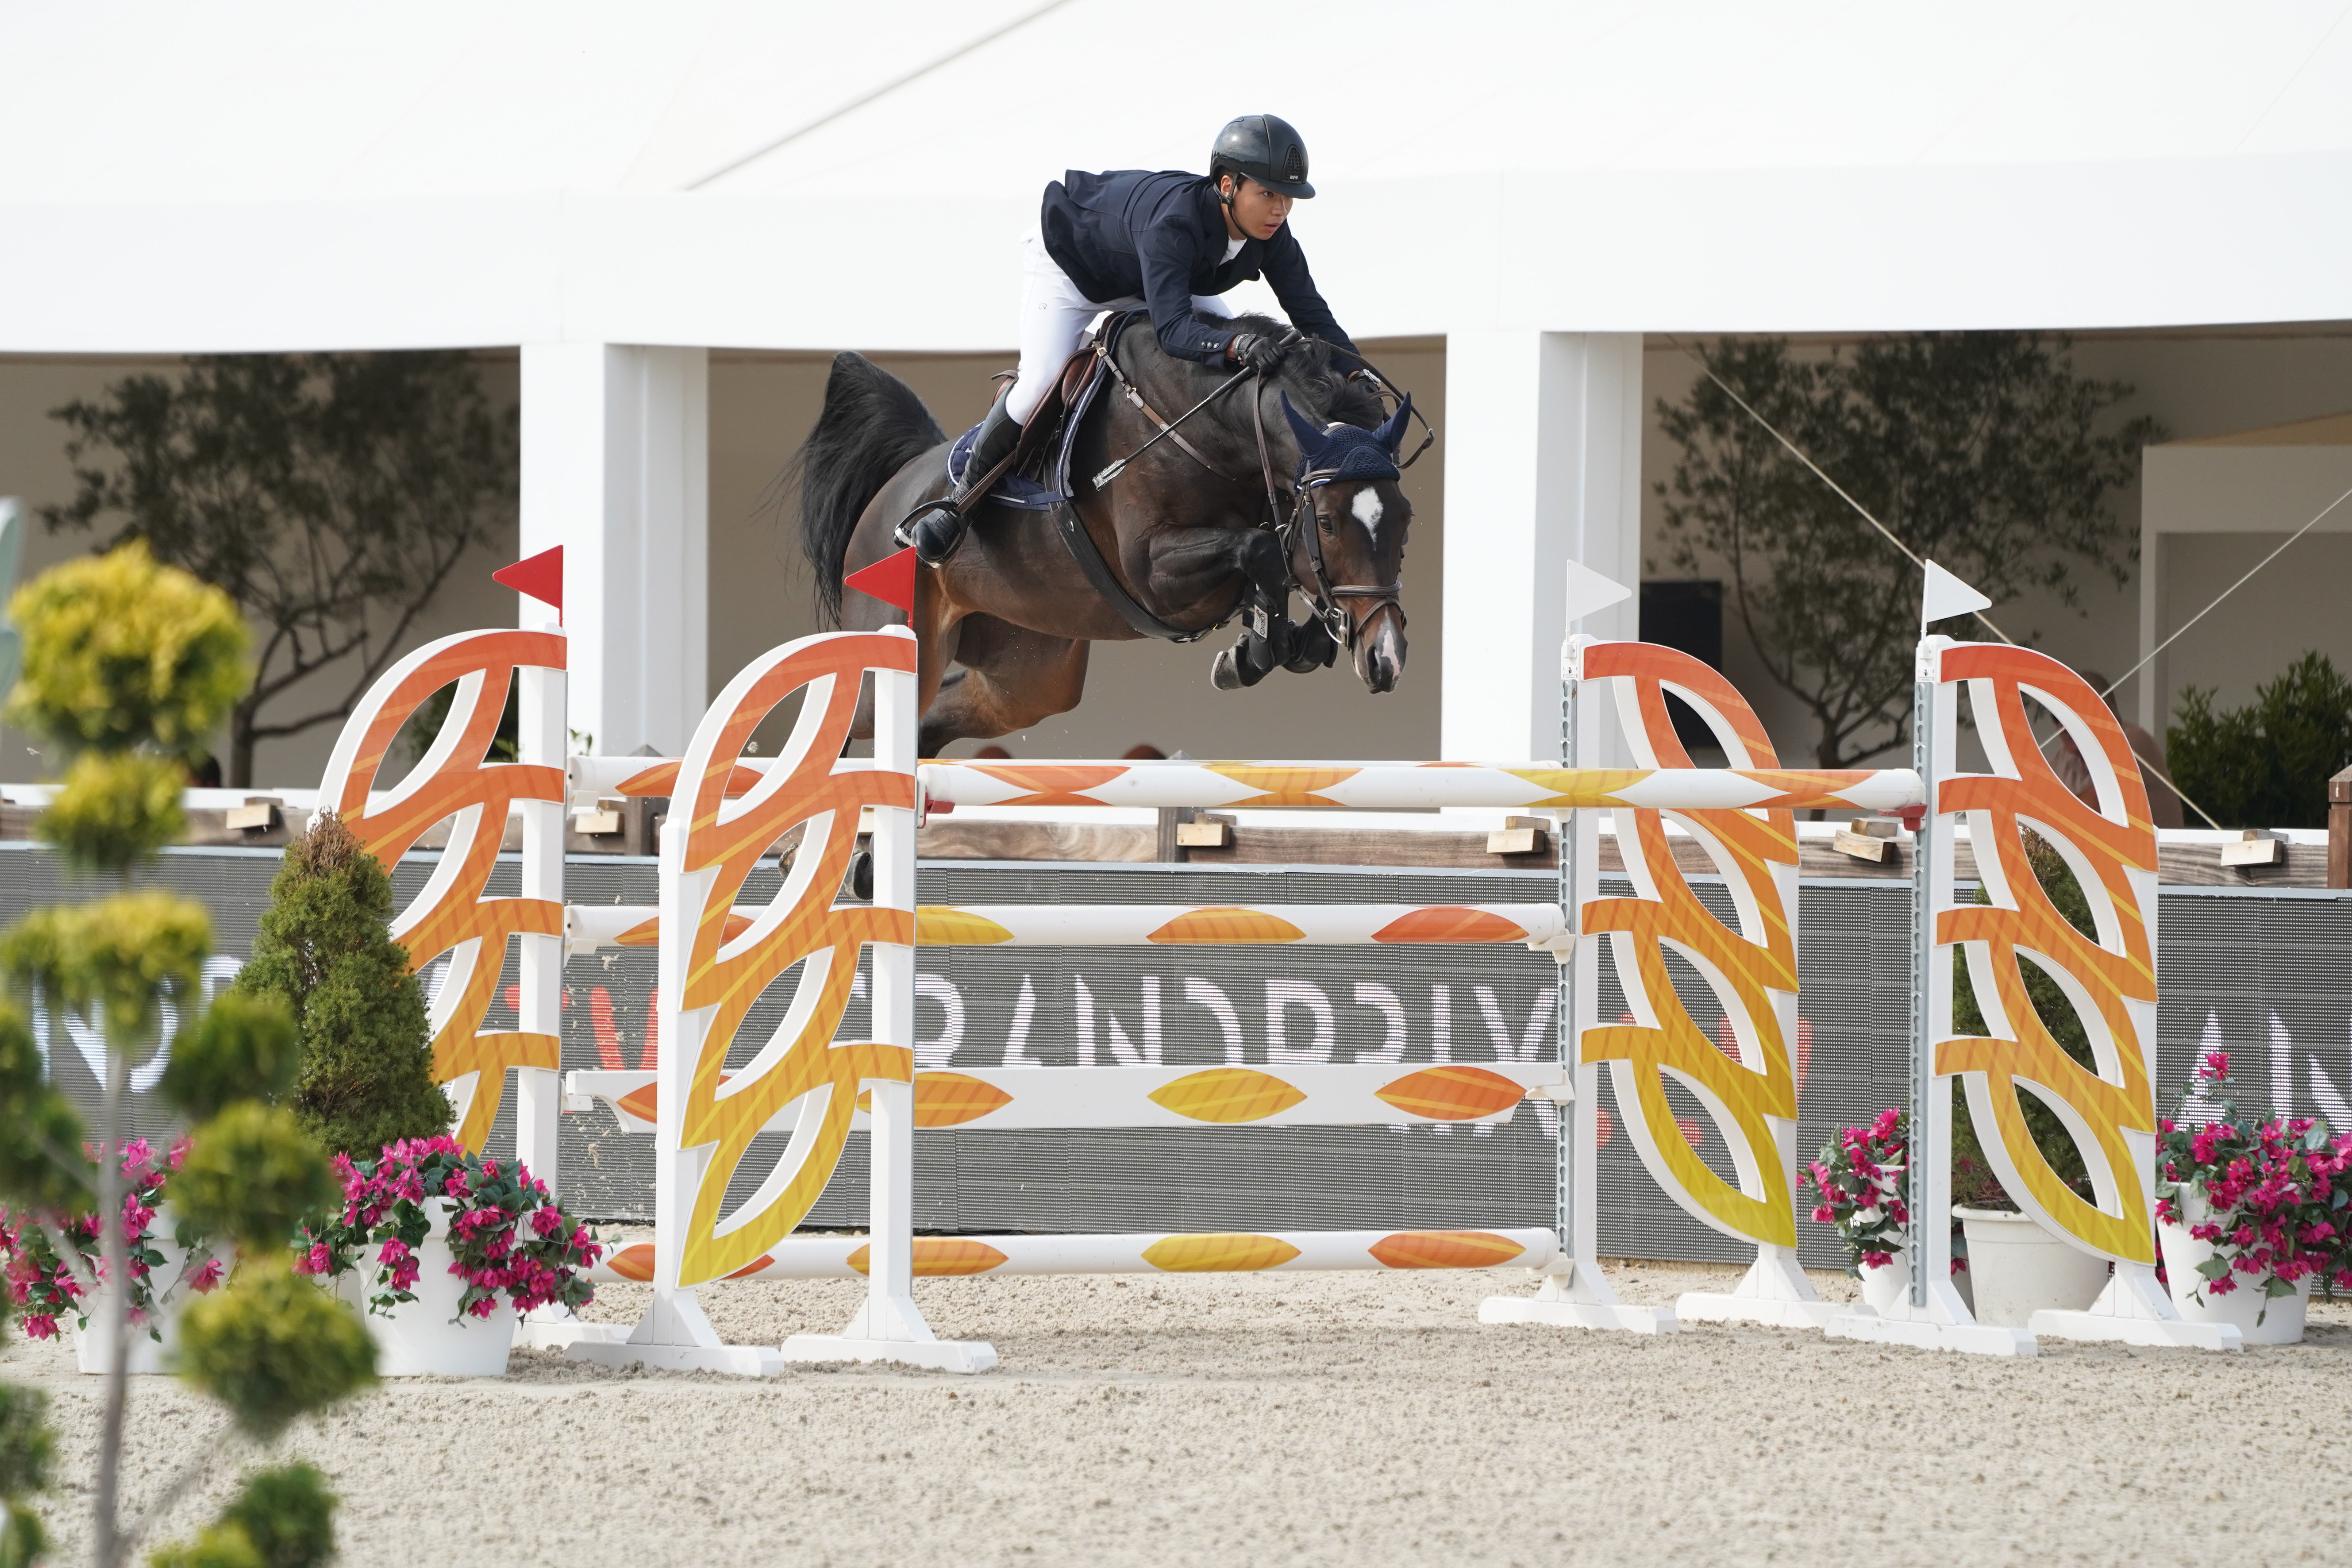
{"points": [[2018, 1269], [2281, 1316], [94, 1355], [419, 1339], [1883, 1287], [1885, 1284]]}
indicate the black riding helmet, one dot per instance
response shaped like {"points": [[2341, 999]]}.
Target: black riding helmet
{"points": [[1265, 149]]}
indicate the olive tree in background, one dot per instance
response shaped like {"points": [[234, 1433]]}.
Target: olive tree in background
{"points": [[329, 495], [1981, 451]]}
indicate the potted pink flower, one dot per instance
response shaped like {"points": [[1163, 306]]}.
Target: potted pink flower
{"points": [[1860, 1176], [2250, 1214], [56, 1273], [461, 1247]]}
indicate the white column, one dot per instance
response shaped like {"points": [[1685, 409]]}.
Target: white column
{"points": [[616, 470], [1543, 464]]}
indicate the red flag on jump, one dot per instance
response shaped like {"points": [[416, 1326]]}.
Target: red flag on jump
{"points": [[890, 580], [540, 576]]}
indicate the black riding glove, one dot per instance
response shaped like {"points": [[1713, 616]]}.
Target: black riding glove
{"points": [[1259, 352]]}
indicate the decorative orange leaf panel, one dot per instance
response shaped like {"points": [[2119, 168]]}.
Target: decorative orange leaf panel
{"points": [[948, 1099], [952, 1098], [1444, 1249], [1227, 1094], [1227, 925], [634, 1261], [938, 925], [762, 1261], [1450, 922], [661, 780], [728, 984], [647, 933], [1218, 1254], [1453, 1093], [643, 1102], [940, 1256]]}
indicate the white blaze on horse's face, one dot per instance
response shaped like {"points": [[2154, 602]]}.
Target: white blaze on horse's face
{"points": [[1367, 508]]}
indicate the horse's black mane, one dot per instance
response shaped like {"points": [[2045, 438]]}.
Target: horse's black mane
{"points": [[1313, 374]]}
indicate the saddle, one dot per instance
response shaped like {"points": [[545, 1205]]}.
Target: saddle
{"points": [[1039, 476]]}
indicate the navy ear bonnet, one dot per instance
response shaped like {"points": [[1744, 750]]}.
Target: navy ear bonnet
{"points": [[1344, 452]]}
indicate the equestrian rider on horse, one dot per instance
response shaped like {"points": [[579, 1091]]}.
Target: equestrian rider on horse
{"points": [[1169, 242]]}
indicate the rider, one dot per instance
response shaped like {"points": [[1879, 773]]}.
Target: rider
{"points": [[1170, 242]]}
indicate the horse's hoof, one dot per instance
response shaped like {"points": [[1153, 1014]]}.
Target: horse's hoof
{"points": [[860, 880], [1225, 674]]}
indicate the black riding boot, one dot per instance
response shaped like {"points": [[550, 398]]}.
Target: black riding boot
{"points": [[938, 531]]}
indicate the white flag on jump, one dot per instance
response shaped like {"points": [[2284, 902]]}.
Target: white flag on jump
{"points": [[1589, 591], [1946, 596]]}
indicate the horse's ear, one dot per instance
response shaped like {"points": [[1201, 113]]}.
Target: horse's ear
{"points": [[1391, 435], [1311, 440]]}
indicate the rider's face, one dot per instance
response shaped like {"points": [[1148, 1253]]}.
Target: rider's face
{"points": [[1255, 213]]}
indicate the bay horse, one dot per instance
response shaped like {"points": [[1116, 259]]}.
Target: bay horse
{"points": [[1003, 626]]}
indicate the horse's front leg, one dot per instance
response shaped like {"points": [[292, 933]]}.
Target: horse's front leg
{"points": [[1185, 570], [1196, 565]]}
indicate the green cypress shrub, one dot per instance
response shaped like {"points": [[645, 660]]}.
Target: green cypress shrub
{"points": [[366, 1078]]}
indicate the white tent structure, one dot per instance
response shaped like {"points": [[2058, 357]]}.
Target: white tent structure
{"points": [[617, 189]]}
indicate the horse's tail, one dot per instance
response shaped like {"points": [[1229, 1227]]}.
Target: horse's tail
{"points": [[872, 426]]}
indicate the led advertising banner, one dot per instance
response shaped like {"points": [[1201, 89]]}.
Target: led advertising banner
{"points": [[2255, 973]]}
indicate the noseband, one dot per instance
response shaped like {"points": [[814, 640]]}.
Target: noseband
{"points": [[1303, 525]]}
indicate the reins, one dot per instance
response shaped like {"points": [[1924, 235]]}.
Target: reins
{"points": [[1291, 530], [1167, 426], [1322, 593]]}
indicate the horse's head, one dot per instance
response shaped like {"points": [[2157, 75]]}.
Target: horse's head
{"points": [[1347, 549]]}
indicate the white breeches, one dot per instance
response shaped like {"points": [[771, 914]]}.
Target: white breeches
{"points": [[1054, 317]]}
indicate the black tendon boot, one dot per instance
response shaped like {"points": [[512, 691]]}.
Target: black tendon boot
{"points": [[938, 531], [1266, 643]]}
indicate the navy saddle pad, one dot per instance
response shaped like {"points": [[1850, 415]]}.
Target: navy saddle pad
{"points": [[1019, 492], [1012, 490]]}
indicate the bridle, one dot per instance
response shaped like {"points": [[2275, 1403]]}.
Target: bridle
{"points": [[1304, 525], [1291, 527]]}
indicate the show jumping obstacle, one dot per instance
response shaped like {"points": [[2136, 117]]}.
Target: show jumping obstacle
{"points": [[717, 956]]}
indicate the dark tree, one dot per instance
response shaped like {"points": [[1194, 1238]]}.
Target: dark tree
{"points": [[1981, 451], [330, 495], [366, 1077], [2266, 764]]}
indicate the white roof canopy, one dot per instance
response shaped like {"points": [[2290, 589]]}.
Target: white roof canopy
{"points": [[307, 176]]}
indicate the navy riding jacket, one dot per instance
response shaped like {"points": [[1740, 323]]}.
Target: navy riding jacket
{"points": [[1162, 237]]}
